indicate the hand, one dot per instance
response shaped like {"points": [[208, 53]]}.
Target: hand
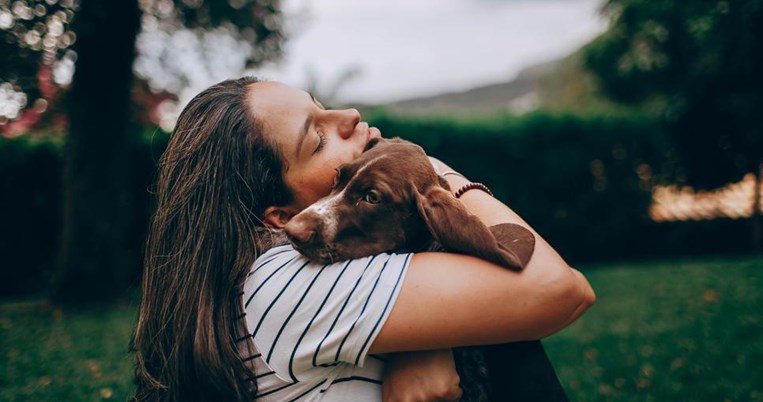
{"points": [[422, 377], [438, 165], [454, 180]]}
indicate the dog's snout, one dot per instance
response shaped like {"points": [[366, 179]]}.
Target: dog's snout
{"points": [[302, 236], [301, 230]]}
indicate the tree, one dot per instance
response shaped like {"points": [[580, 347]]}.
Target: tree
{"points": [[94, 261], [701, 63], [35, 37]]}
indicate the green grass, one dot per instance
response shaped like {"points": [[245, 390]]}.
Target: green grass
{"points": [[667, 331], [50, 355]]}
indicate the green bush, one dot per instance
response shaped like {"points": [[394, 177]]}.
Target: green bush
{"points": [[575, 179], [582, 182], [30, 213], [31, 209]]}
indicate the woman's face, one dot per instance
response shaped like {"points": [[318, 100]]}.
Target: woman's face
{"points": [[312, 140]]}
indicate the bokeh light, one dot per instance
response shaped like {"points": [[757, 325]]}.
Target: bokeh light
{"points": [[675, 203]]}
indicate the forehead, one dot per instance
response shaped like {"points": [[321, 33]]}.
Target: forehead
{"points": [[278, 108], [272, 97]]}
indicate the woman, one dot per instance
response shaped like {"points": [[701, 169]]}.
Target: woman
{"points": [[226, 313]]}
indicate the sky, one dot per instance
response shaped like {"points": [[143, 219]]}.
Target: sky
{"points": [[397, 49], [401, 49]]}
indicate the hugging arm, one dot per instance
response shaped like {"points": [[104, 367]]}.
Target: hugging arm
{"points": [[450, 300]]}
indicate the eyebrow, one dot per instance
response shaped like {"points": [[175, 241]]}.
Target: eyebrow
{"points": [[305, 128]]}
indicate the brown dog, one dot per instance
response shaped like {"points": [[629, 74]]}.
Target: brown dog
{"points": [[391, 199]]}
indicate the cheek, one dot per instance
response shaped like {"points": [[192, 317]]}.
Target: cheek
{"points": [[324, 182], [344, 152], [314, 181], [310, 185], [325, 170]]}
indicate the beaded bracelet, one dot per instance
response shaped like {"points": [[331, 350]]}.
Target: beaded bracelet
{"points": [[472, 186]]}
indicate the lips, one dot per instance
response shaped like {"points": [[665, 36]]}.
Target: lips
{"points": [[371, 133]]}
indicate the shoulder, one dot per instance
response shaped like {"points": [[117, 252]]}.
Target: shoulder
{"points": [[303, 315], [282, 270], [285, 258]]}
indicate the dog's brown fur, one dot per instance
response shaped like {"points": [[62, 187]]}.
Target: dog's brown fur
{"points": [[391, 199]]}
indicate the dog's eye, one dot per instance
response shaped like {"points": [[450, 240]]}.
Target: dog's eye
{"points": [[372, 197]]}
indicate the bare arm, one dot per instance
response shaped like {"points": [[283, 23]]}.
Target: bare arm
{"points": [[452, 300], [492, 211]]}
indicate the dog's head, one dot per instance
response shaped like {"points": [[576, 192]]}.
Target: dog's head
{"points": [[371, 208], [391, 199]]}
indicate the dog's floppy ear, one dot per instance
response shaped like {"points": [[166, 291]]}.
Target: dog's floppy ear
{"points": [[458, 230], [516, 238]]}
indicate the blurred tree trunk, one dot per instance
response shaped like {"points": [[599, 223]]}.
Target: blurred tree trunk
{"points": [[93, 258]]}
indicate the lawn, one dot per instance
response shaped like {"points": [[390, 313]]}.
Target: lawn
{"points": [[664, 331], [50, 355], [667, 331]]}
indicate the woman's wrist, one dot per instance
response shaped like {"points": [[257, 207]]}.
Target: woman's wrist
{"points": [[438, 165], [459, 188], [459, 184], [472, 186], [456, 181]]}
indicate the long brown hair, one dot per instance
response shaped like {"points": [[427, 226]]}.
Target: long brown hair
{"points": [[215, 178]]}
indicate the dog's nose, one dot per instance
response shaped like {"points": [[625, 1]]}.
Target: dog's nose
{"points": [[300, 231]]}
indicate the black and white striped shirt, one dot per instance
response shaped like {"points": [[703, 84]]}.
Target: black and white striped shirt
{"points": [[312, 324]]}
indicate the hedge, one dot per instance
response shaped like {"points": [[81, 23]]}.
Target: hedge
{"points": [[582, 182], [576, 180]]}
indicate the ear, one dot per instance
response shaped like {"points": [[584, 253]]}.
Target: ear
{"points": [[458, 230], [516, 238], [276, 217]]}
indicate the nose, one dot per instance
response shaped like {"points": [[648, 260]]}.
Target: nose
{"points": [[348, 120], [301, 230]]}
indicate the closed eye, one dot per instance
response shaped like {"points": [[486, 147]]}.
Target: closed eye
{"points": [[321, 142]]}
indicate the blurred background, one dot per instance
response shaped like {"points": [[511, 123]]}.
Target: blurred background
{"points": [[629, 133]]}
